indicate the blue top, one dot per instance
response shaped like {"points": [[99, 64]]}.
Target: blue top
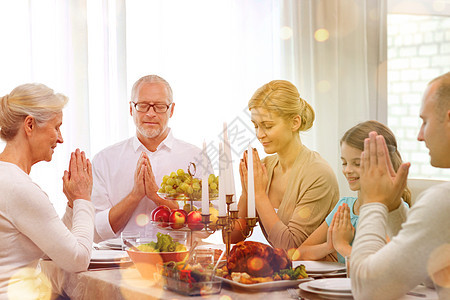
{"points": [[353, 218]]}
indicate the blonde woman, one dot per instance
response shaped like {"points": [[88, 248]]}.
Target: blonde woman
{"points": [[30, 120], [295, 188], [336, 233]]}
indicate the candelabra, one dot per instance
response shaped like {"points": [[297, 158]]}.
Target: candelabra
{"points": [[227, 224]]}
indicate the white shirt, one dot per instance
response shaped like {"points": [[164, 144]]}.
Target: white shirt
{"points": [[420, 248], [114, 168], [30, 228]]}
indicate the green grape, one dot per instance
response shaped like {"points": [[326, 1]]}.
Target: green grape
{"points": [[165, 178], [167, 188], [196, 186], [161, 190], [213, 186], [184, 186], [187, 207], [211, 178], [178, 182], [170, 181], [179, 190], [180, 172], [173, 175], [190, 190]]}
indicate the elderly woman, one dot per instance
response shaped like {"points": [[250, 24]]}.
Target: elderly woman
{"points": [[295, 188], [30, 120]]}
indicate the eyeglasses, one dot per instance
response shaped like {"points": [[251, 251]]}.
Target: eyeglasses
{"points": [[144, 107]]}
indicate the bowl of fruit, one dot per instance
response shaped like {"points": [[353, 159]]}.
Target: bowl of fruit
{"points": [[179, 219], [149, 255]]}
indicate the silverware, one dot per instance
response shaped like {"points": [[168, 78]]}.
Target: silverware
{"points": [[191, 251], [293, 293], [130, 245], [416, 294], [104, 268], [218, 261]]}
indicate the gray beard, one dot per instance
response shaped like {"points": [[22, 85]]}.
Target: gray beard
{"points": [[151, 133]]}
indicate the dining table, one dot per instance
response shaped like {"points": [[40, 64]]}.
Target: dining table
{"points": [[125, 282]]}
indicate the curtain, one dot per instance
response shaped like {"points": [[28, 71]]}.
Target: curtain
{"points": [[215, 54], [47, 42], [336, 55]]}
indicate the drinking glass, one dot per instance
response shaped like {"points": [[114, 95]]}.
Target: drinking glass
{"points": [[204, 257], [131, 236]]}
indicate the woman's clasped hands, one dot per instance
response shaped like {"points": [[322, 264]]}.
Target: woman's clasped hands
{"points": [[259, 173], [77, 181]]}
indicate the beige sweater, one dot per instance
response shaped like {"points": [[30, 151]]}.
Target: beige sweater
{"points": [[311, 195]]}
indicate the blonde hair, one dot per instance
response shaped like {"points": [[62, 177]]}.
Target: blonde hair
{"points": [[150, 79], [31, 99], [282, 97], [355, 136]]}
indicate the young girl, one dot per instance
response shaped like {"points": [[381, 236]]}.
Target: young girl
{"points": [[338, 230]]}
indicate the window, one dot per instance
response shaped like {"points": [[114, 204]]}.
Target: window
{"points": [[418, 51]]}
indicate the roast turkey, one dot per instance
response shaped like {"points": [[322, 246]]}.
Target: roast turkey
{"points": [[257, 259]]}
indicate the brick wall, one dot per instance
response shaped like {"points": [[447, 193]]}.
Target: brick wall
{"points": [[418, 51]]}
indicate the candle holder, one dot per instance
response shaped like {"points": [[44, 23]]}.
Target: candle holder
{"points": [[227, 224]]}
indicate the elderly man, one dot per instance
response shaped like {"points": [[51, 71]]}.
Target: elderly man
{"points": [[420, 250], [127, 175]]}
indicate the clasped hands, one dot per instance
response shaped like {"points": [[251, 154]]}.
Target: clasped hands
{"points": [[341, 231], [259, 173], [379, 182], [144, 179], [77, 181]]}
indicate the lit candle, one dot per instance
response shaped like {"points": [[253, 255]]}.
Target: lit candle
{"points": [[250, 185], [205, 187], [229, 182], [222, 174]]}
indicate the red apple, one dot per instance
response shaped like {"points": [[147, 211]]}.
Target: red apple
{"points": [[177, 219], [194, 220], [161, 214], [157, 209], [181, 211]]}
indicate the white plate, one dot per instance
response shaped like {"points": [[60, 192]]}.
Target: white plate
{"points": [[332, 285], [271, 285], [114, 262], [319, 266], [325, 294], [115, 244], [108, 256], [327, 275]]}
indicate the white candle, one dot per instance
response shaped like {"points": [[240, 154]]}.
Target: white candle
{"points": [[222, 174], [232, 189], [229, 182], [205, 186], [227, 164], [250, 185]]}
